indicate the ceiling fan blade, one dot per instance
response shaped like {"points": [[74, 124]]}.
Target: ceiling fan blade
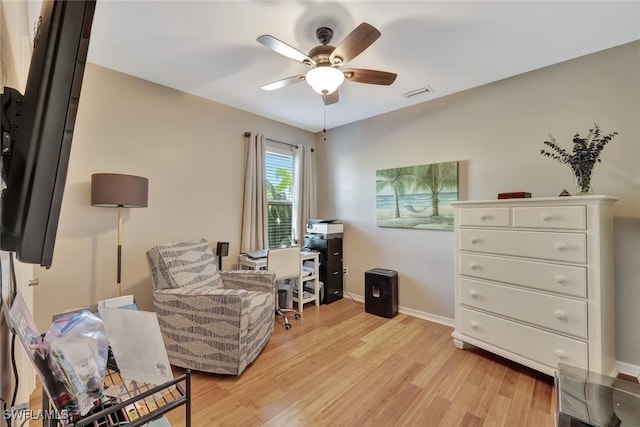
{"points": [[331, 98], [284, 82], [284, 49], [375, 77], [352, 45]]}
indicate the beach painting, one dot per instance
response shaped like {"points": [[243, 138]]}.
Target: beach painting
{"points": [[417, 196]]}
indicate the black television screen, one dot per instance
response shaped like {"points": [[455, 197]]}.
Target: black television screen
{"points": [[37, 129]]}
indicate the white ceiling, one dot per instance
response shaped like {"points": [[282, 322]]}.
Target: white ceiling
{"points": [[209, 48]]}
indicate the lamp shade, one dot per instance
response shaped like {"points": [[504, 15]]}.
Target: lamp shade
{"points": [[113, 190], [324, 80]]}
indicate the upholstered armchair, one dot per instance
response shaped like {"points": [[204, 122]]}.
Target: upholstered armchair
{"points": [[212, 321]]}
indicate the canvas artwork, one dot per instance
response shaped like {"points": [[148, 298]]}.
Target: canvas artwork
{"points": [[417, 196]]}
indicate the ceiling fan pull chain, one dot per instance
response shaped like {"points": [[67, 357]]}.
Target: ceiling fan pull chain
{"points": [[324, 129]]}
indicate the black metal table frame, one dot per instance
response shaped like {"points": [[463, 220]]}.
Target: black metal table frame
{"points": [[183, 399]]}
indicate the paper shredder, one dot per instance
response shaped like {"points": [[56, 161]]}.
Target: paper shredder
{"points": [[381, 292]]}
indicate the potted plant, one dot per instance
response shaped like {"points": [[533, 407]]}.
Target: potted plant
{"points": [[586, 152]]}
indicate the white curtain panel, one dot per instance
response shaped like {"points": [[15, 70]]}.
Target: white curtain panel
{"points": [[304, 190], [254, 211]]}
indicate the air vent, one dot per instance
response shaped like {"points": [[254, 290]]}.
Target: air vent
{"points": [[426, 89]]}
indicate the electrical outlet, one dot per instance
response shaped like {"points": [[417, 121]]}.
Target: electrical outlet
{"points": [[345, 270]]}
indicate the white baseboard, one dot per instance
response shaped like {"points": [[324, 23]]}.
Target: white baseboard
{"points": [[623, 367], [411, 312], [428, 316], [628, 369]]}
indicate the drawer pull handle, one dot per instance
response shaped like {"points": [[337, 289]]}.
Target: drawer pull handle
{"points": [[473, 325], [560, 315], [561, 354], [335, 273], [474, 294], [484, 217], [547, 217], [475, 240], [474, 266], [336, 253], [562, 247], [561, 280]]}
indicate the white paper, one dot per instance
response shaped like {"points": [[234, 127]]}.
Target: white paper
{"points": [[123, 301], [137, 345]]}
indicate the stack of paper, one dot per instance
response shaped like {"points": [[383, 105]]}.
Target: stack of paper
{"points": [[136, 341]]}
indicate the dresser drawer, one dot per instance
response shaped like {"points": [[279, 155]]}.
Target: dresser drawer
{"points": [[490, 217], [535, 344], [552, 217], [562, 279], [564, 315], [568, 247]]}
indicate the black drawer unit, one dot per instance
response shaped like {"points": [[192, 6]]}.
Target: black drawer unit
{"points": [[330, 265]]}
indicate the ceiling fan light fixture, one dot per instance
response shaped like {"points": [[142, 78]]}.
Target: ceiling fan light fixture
{"points": [[324, 80]]}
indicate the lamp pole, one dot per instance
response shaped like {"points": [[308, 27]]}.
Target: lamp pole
{"points": [[118, 278]]}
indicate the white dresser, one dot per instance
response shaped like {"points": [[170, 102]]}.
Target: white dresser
{"points": [[534, 280]]}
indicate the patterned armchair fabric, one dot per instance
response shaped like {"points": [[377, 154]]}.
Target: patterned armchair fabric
{"points": [[212, 321]]}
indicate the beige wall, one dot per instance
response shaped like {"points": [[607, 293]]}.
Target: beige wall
{"points": [[496, 133], [192, 151]]}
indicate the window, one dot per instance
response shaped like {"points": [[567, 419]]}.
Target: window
{"points": [[279, 165]]}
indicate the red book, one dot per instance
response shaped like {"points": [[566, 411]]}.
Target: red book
{"points": [[514, 195]]}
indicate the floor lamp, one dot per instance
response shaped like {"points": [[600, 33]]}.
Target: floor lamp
{"points": [[112, 190], [222, 249]]}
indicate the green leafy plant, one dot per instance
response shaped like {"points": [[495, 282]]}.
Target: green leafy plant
{"points": [[586, 152]]}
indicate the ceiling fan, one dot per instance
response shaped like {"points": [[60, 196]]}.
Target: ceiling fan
{"points": [[325, 75]]}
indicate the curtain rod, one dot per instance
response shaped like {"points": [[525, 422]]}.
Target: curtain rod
{"points": [[248, 134]]}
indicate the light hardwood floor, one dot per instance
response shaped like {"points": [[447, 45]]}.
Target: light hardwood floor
{"points": [[341, 366]]}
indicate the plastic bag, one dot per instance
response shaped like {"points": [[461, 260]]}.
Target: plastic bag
{"points": [[77, 349]]}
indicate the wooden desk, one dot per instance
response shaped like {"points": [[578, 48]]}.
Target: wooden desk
{"points": [[246, 263]]}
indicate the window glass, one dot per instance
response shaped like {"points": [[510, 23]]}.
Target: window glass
{"points": [[279, 165]]}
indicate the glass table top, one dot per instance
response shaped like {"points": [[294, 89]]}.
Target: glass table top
{"points": [[591, 399]]}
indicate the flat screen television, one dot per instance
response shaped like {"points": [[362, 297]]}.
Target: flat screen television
{"points": [[37, 129]]}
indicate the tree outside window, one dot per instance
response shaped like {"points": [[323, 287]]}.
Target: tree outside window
{"points": [[279, 167]]}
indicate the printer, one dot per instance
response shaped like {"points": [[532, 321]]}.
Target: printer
{"points": [[324, 228]]}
